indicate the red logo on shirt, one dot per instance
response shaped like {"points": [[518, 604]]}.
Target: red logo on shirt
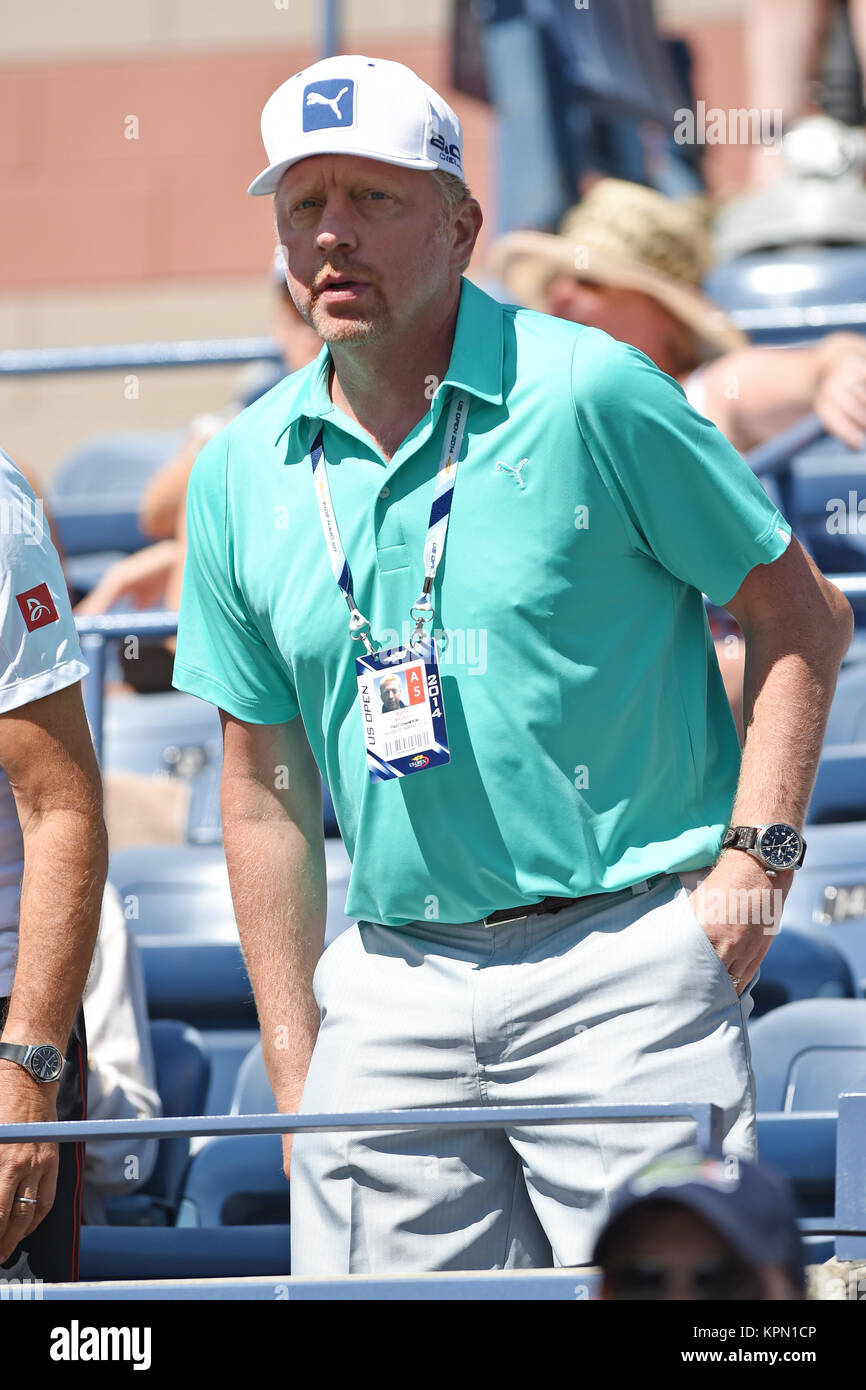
{"points": [[37, 606]]}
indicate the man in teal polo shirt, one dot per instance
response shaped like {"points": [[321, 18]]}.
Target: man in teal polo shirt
{"points": [[547, 502]]}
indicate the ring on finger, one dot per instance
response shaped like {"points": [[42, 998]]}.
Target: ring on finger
{"points": [[30, 1201]]}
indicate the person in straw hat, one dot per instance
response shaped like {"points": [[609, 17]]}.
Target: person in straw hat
{"points": [[630, 261]]}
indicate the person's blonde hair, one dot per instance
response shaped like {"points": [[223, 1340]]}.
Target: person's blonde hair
{"points": [[453, 191], [452, 188]]}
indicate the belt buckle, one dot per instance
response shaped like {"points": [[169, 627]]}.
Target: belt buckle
{"points": [[503, 921]]}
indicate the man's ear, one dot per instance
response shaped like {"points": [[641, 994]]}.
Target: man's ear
{"points": [[468, 221]]}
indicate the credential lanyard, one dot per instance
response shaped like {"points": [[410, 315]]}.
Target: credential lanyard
{"points": [[437, 527]]}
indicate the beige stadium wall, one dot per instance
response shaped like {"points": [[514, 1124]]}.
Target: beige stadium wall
{"points": [[128, 134]]}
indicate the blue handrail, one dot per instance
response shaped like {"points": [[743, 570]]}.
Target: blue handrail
{"points": [[110, 357], [708, 1120]]}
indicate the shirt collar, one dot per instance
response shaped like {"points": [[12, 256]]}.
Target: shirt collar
{"points": [[475, 365]]}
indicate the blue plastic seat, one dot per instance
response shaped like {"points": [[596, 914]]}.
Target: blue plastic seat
{"points": [[840, 785], [182, 1077], [204, 981], [236, 1182], [165, 733], [828, 895], [847, 719], [175, 890], [780, 280], [226, 1048], [95, 496], [183, 890], [804, 1054], [802, 965], [252, 1093], [133, 1253]]}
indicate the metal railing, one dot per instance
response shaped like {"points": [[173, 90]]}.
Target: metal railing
{"points": [[848, 1228], [94, 634], [572, 1284], [707, 1117]]}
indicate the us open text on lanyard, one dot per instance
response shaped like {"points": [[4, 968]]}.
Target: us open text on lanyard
{"points": [[399, 689]]}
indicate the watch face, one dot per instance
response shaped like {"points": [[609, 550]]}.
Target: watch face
{"points": [[46, 1062], [780, 845]]}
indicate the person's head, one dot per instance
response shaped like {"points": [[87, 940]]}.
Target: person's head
{"points": [[372, 211], [390, 692], [693, 1227], [629, 261], [632, 316]]}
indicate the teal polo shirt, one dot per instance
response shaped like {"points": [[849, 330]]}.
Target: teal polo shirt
{"points": [[592, 744]]}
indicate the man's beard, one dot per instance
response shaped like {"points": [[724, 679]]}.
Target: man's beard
{"points": [[348, 331]]}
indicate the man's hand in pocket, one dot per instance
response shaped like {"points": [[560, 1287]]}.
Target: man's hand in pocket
{"points": [[739, 907]]}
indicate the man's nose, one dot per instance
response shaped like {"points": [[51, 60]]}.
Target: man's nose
{"points": [[336, 229]]}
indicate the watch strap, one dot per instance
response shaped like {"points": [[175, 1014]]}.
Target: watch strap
{"points": [[740, 837]]}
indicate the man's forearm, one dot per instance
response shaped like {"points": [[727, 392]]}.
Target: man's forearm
{"points": [[65, 863], [786, 699], [279, 890]]}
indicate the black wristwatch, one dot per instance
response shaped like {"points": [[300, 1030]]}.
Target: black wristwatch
{"points": [[778, 846], [44, 1061]]}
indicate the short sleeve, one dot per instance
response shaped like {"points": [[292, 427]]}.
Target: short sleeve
{"points": [[221, 654], [39, 648], [685, 495]]}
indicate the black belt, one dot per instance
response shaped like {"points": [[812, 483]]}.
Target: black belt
{"points": [[513, 914]]}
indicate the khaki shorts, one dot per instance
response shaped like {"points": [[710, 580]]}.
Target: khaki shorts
{"points": [[615, 1002]]}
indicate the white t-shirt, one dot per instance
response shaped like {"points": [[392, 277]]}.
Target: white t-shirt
{"points": [[39, 653]]}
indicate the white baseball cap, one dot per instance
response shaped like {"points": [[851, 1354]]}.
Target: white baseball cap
{"points": [[355, 105]]}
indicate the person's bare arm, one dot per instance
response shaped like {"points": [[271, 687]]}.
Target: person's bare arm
{"points": [[797, 628], [47, 754], [141, 579], [275, 852], [758, 392], [166, 490]]}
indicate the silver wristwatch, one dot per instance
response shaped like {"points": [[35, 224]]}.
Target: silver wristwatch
{"points": [[44, 1061], [778, 846]]}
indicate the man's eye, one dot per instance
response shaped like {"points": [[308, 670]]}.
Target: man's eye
{"points": [[305, 205], [376, 193]]}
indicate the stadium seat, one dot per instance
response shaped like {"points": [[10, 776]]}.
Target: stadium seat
{"points": [[182, 1077], [847, 719], [236, 1181], [802, 1146], [204, 981], [172, 890], [840, 786], [175, 890], [95, 495], [108, 467], [804, 1054], [802, 965], [778, 280], [252, 1093], [132, 1253], [226, 1049], [160, 734], [816, 495]]}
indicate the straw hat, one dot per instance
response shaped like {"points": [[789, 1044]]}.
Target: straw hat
{"points": [[626, 235]]}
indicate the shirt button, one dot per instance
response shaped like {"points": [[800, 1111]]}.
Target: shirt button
{"points": [[386, 492]]}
